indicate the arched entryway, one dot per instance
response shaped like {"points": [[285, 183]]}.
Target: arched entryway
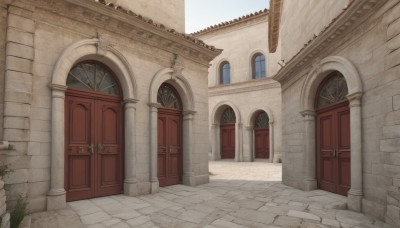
{"points": [[333, 135], [169, 135], [227, 129], [261, 136], [93, 132]]}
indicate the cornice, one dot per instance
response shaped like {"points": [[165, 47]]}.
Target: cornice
{"points": [[126, 23], [231, 23], [274, 21], [348, 21], [243, 87]]}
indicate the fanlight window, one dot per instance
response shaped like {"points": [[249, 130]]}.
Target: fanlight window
{"points": [[333, 90], [258, 66], [228, 116], [262, 121], [167, 97], [93, 76], [225, 73]]}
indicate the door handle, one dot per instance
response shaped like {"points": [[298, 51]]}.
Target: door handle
{"points": [[100, 147], [334, 152], [91, 148]]}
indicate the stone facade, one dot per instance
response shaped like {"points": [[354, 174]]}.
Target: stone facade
{"points": [[4, 215], [241, 39], [44, 40], [361, 42]]}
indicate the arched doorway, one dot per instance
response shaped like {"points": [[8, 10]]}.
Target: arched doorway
{"points": [[333, 135], [261, 136], [228, 120], [93, 132], [169, 130]]}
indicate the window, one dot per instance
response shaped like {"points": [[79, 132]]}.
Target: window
{"points": [[228, 116], [258, 66], [333, 90], [225, 73], [168, 97]]}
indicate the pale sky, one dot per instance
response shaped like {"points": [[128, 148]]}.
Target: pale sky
{"points": [[203, 13]]}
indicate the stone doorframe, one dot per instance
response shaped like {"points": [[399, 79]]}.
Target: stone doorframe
{"points": [[215, 131], [250, 132], [182, 86], [307, 98], [101, 50]]}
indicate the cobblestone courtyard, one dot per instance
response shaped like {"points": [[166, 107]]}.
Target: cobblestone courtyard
{"points": [[239, 195]]}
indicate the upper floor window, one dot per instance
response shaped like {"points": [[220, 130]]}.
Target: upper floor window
{"points": [[225, 73], [258, 66]]}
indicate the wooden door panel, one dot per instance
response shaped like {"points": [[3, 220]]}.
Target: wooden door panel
{"points": [[343, 154], [109, 154], [79, 167], [261, 143], [228, 141], [162, 149]]}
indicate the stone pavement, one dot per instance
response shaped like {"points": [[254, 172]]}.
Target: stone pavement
{"points": [[239, 195]]}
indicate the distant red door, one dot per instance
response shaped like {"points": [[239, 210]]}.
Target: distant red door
{"points": [[93, 145], [227, 141], [261, 143], [333, 148], [169, 147]]}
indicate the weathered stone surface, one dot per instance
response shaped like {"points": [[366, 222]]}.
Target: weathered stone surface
{"points": [[303, 215]]}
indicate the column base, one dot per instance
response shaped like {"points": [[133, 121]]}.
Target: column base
{"points": [[56, 202], [131, 189], [188, 179], [154, 186], [354, 200], [310, 184]]}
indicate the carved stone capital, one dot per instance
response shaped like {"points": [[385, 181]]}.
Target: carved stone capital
{"points": [[56, 87], [130, 100], [308, 114], [154, 105], [354, 99], [250, 127]]}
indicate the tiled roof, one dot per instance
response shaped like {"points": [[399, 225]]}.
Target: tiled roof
{"points": [[232, 22], [159, 26]]}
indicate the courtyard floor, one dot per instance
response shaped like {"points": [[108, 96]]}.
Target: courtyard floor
{"points": [[238, 195]]}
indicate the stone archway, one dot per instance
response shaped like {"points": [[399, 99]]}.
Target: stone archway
{"points": [[215, 131], [173, 77], [307, 98], [89, 49], [250, 131]]}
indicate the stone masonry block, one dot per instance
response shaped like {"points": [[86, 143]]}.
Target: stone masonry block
{"points": [[38, 136], [19, 64], [14, 191], [37, 175], [390, 145], [17, 109], [394, 43], [393, 212], [391, 132], [17, 176], [19, 50], [20, 97], [22, 23], [392, 59], [18, 81], [396, 102], [37, 189], [16, 123], [16, 135], [40, 162], [19, 37], [18, 162], [21, 11]]}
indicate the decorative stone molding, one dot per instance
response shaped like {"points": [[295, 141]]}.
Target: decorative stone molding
{"points": [[274, 20], [178, 66], [243, 87], [104, 45]]}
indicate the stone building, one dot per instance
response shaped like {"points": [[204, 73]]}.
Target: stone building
{"points": [[244, 100], [341, 99], [88, 88]]}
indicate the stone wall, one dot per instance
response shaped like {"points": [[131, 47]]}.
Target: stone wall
{"points": [[373, 49], [3, 27], [4, 215], [169, 13], [390, 137], [312, 16]]}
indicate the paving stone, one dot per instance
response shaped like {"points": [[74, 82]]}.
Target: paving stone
{"points": [[303, 215], [352, 218], [95, 218], [138, 220], [127, 215], [225, 224], [331, 222], [286, 221]]}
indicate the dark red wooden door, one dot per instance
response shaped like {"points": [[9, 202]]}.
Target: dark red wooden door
{"points": [[227, 141], [261, 143], [169, 129], [93, 158], [333, 149]]}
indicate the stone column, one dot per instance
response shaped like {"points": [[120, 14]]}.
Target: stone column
{"points": [[250, 138], [188, 174], [130, 182], [216, 155], [355, 194], [309, 181], [153, 147], [56, 197], [271, 143], [238, 142]]}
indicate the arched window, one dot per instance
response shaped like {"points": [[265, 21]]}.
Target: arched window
{"points": [[228, 117], [258, 66], [332, 91], [225, 73], [168, 97], [93, 76], [262, 121]]}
